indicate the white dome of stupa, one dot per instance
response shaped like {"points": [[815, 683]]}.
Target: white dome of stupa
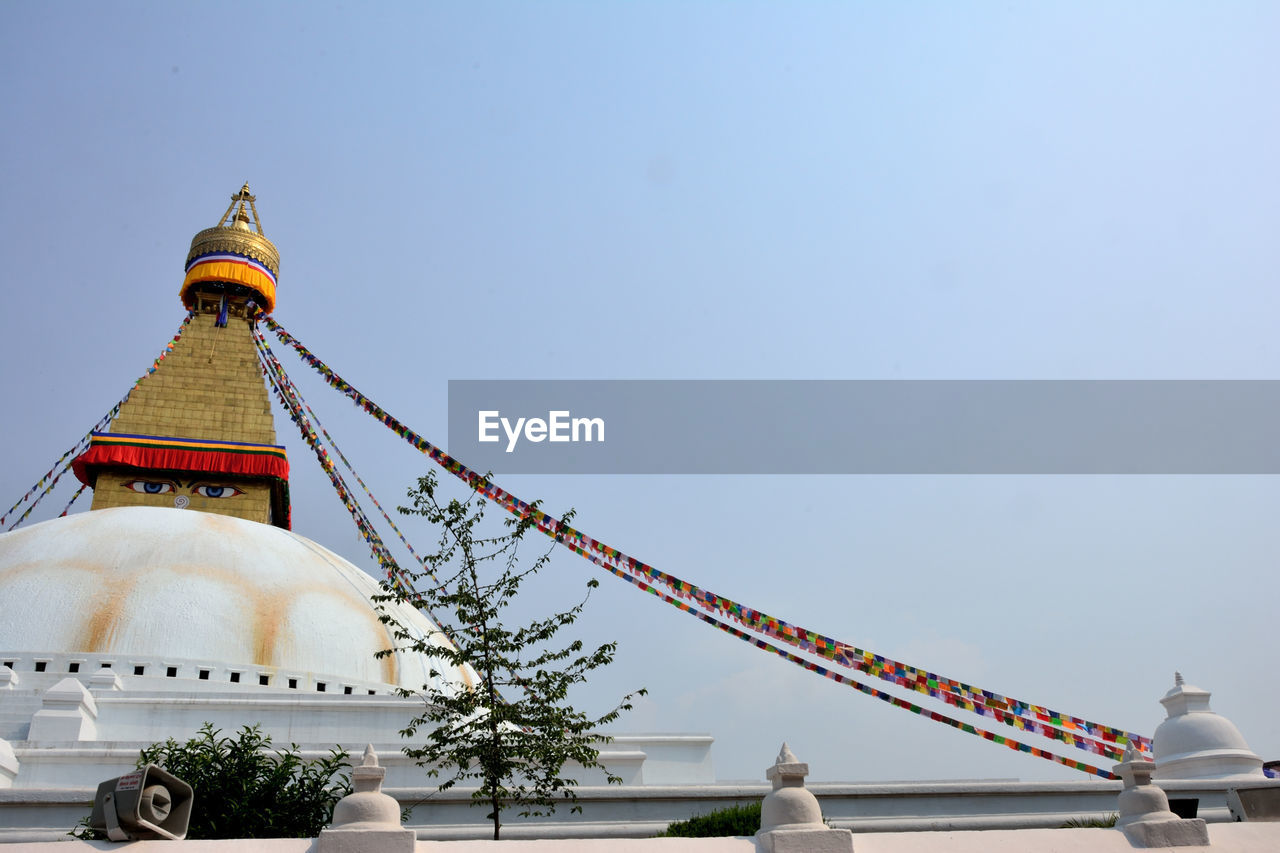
{"points": [[151, 590], [1196, 743]]}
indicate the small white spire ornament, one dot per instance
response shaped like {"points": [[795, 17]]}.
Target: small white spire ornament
{"points": [[790, 817], [1145, 817], [366, 819], [1194, 742]]}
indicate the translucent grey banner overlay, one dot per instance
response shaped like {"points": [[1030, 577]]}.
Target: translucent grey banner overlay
{"points": [[865, 427]]}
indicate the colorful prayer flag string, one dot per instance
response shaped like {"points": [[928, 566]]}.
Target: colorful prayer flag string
{"points": [[865, 688], [265, 348], [54, 474], [302, 414], [72, 452], [74, 497], [168, 348], [286, 394], [1013, 712]]}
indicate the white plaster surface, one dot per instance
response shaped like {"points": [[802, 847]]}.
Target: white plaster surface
{"points": [[67, 713], [8, 764], [1224, 838], [817, 840], [620, 812]]}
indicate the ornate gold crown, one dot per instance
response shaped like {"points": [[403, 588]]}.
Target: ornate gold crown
{"points": [[235, 234], [233, 253]]}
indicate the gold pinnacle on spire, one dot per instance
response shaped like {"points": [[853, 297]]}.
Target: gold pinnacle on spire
{"points": [[233, 257], [239, 200]]}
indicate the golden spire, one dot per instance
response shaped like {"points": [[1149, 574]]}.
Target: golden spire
{"points": [[198, 433], [234, 256]]}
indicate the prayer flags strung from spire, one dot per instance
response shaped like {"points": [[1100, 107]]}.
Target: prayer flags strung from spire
{"points": [[51, 478], [1096, 738], [307, 421], [78, 493]]}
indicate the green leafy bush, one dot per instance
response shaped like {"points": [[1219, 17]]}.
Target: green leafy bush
{"points": [[733, 821], [244, 789]]}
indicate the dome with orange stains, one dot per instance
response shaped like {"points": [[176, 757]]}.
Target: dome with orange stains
{"points": [[168, 592]]}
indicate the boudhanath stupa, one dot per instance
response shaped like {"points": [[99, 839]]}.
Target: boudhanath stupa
{"points": [[185, 568], [184, 597]]}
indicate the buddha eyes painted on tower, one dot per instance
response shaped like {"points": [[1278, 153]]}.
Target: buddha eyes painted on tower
{"points": [[165, 487], [151, 487], [208, 490], [202, 491]]}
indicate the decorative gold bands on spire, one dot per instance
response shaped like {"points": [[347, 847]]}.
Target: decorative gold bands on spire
{"points": [[234, 252]]}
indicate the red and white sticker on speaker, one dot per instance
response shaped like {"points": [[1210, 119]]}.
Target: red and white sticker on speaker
{"points": [[130, 781]]}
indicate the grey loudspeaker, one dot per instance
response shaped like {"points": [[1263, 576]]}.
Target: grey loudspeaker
{"points": [[147, 803]]}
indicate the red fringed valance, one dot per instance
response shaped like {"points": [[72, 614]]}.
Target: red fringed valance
{"points": [[179, 454], [156, 453]]}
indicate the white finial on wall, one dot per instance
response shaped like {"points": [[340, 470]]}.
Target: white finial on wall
{"points": [[790, 817]]}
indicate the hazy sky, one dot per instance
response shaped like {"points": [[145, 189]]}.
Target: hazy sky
{"points": [[712, 190]]}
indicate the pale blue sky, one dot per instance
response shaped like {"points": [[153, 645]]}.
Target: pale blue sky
{"points": [[712, 190]]}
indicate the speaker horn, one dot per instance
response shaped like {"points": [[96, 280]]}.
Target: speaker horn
{"points": [[150, 803]]}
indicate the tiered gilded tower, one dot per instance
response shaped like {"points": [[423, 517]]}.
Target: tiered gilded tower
{"points": [[198, 432]]}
